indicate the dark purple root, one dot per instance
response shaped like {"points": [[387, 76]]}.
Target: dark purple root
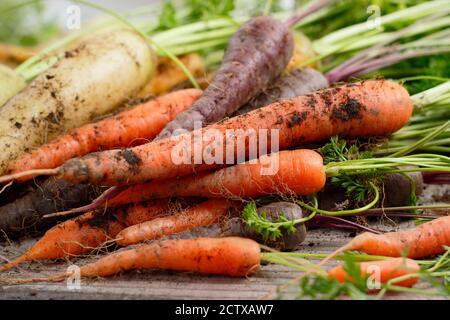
{"points": [[256, 55], [96, 204], [396, 192], [436, 177], [315, 6], [24, 215]]}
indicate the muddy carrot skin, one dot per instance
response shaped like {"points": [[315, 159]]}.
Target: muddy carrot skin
{"points": [[364, 109], [300, 172], [136, 126], [203, 214], [88, 232], [386, 270], [423, 241]]}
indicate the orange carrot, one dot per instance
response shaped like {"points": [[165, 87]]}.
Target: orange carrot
{"points": [[204, 214], [134, 126], [299, 172], [425, 240], [386, 270], [428, 239], [367, 108], [232, 256], [85, 233]]}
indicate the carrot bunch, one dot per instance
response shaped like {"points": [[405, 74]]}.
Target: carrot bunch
{"points": [[350, 110], [364, 109]]}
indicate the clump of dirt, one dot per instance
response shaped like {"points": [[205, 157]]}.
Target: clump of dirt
{"points": [[351, 109]]}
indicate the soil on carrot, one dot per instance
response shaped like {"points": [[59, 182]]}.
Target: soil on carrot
{"points": [[297, 118], [349, 110], [131, 157]]}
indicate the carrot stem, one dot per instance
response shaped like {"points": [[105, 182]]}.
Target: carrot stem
{"points": [[440, 261], [313, 7], [345, 212], [293, 262], [144, 35], [357, 256], [422, 141], [37, 172], [431, 206], [102, 199]]}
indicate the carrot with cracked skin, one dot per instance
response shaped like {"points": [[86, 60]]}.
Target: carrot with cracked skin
{"points": [[203, 214], [386, 269], [299, 172], [425, 240], [87, 232], [231, 256], [364, 109], [134, 126]]}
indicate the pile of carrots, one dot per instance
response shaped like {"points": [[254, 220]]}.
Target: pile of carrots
{"points": [[151, 198]]}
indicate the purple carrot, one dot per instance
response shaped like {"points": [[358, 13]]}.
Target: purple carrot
{"points": [[436, 177], [25, 214], [99, 201], [256, 55], [295, 83]]}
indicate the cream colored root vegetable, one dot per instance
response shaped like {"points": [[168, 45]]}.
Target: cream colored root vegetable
{"points": [[93, 79]]}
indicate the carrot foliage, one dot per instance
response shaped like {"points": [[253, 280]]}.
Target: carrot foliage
{"points": [[358, 187], [268, 229]]}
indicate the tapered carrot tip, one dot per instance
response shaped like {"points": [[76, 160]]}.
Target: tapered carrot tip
{"points": [[429, 238], [26, 175], [378, 272], [14, 263]]}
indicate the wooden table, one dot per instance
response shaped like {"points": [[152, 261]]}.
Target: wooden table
{"points": [[170, 285]]}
